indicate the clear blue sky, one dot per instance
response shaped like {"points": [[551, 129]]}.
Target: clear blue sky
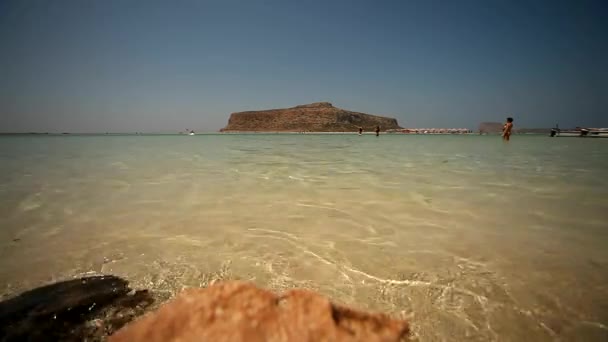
{"points": [[127, 65]]}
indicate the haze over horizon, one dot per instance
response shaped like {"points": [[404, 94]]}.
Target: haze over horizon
{"points": [[164, 66]]}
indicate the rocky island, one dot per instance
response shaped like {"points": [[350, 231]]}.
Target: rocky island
{"points": [[314, 117], [490, 127]]}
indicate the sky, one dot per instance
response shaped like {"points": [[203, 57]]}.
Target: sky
{"points": [[164, 66]]}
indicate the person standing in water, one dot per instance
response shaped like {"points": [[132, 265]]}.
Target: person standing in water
{"points": [[507, 128], [360, 130], [377, 131]]}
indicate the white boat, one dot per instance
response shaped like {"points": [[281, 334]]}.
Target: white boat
{"points": [[581, 132]]}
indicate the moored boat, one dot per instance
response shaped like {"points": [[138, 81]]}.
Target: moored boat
{"points": [[581, 132]]}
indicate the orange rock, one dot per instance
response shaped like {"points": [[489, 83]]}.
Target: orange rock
{"points": [[239, 311]]}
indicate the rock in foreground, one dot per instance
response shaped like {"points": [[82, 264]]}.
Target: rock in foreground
{"points": [[314, 117], [87, 309], [238, 311]]}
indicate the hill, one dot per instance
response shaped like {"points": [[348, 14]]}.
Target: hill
{"points": [[490, 127], [314, 117]]}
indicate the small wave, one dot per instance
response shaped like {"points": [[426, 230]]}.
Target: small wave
{"points": [[31, 203]]}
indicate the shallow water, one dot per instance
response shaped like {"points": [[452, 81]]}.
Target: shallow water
{"points": [[466, 236]]}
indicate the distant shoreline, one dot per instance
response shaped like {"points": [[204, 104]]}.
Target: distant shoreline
{"points": [[251, 133]]}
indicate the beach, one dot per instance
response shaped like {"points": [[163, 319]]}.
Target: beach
{"points": [[467, 237]]}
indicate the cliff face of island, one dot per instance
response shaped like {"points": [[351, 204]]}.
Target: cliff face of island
{"points": [[315, 117], [490, 127]]}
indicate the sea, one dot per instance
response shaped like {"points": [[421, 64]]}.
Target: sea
{"points": [[466, 236]]}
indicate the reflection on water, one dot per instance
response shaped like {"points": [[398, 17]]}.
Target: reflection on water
{"points": [[468, 237]]}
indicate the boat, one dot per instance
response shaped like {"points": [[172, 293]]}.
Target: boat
{"points": [[580, 132]]}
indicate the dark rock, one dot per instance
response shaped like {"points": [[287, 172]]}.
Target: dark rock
{"points": [[61, 311]]}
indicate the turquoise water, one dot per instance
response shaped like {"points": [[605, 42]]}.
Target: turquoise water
{"points": [[466, 236]]}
